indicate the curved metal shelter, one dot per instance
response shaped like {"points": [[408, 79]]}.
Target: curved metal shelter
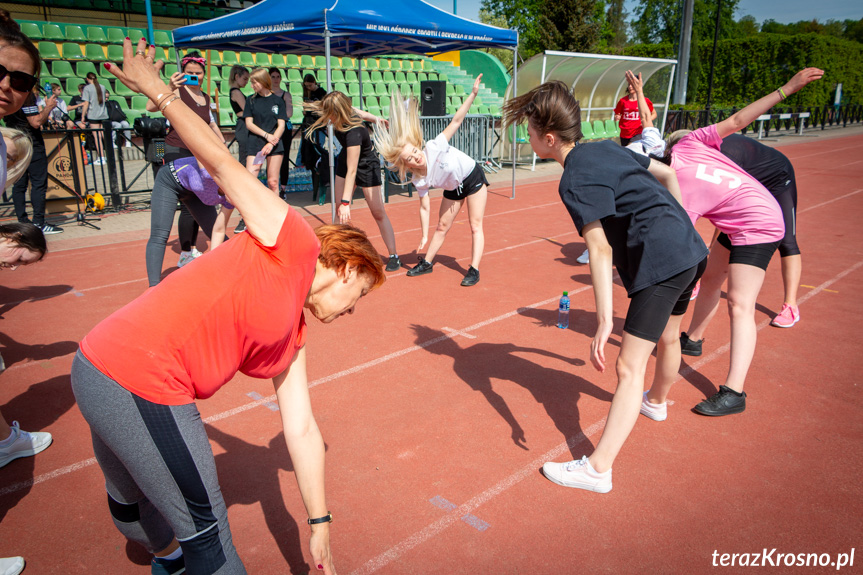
{"points": [[597, 80]]}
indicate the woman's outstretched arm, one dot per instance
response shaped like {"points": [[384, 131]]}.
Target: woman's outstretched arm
{"points": [[263, 212], [462, 111]]}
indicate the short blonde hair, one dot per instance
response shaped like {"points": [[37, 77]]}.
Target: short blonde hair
{"points": [[335, 107], [262, 77], [22, 152], [405, 129]]}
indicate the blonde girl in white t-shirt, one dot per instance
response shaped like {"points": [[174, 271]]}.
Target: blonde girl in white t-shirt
{"points": [[437, 165]]}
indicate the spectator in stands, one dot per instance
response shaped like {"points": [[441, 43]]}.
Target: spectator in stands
{"points": [[626, 113], [189, 91], [59, 117], [76, 103], [356, 165], [119, 121], [265, 119], [288, 135], [21, 242], [237, 80], [95, 113], [310, 147]]}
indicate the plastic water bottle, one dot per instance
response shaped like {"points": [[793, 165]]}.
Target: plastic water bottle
{"points": [[563, 311]]}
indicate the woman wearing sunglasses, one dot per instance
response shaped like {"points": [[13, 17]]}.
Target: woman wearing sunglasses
{"points": [[19, 69]]}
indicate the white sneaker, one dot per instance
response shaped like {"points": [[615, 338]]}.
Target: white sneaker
{"points": [[23, 444], [196, 253], [11, 565], [579, 474], [583, 258], [655, 411], [185, 257]]}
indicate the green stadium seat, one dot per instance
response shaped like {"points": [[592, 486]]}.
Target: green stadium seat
{"points": [[340, 87], [226, 118], [224, 102], [247, 91], [427, 65], [365, 78], [262, 59], [139, 103], [224, 87], [587, 131], [230, 58], [215, 57], [122, 102], [478, 101], [494, 110], [172, 54], [278, 60], [169, 70], [72, 51], [321, 75], [376, 76], [94, 53], [459, 90], [294, 76], [405, 89], [450, 90], [320, 62], [370, 64], [84, 68], [432, 76], [44, 70], [381, 89], [338, 77], [335, 63], [389, 77], [115, 53], [49, 51], [120, 89], [354, 89], [292, 61], [306, 61], [116, 35], [96, 35], [214, 73], [135, 34], [62, 69], [400, 77], [74, 34], [375, 110], [297, 116], [474, 109], [70, 85], [422, 77], [383, 64], [415, 88], [395, 64], [295, 89], [451, 110], [384, 100], [163, 38], [174, 11], [443, 77], [246, 59], [385, 111], [351, 76], [32, 30], [411, 77], [52, 32], [355, 101], [611, 128], [46, 79], [599, 129]]}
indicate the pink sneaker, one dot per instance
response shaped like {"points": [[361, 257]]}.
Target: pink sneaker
{"points": [[789, 315], [695, 290]]}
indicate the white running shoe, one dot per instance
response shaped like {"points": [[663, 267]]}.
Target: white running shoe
{"points": [[655, 411], [579, 474], [23, 444], [196, 253], [584, 258], [185, 257], [11, 565]]}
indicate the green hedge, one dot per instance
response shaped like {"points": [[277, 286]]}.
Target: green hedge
{"points": [[749, 68]]}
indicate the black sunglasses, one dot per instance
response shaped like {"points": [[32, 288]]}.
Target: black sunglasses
{"points": [[20, 81]]}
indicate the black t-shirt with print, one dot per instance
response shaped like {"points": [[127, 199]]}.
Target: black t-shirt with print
{"points": [[651, 236], [768, 166], [358, 136], [18, 121], [265, 112]]}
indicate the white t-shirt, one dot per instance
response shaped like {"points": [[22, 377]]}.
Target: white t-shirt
{"points": [[59, 111], [649, 142], [447, 167]]}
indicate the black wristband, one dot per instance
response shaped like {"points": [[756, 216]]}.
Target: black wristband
{"points": [[346, 202], [328, 518]]}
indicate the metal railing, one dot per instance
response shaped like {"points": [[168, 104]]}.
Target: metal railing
{"points": [[782, 118]]}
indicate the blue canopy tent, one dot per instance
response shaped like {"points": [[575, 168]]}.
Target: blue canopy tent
{"points": [[356, 28]]}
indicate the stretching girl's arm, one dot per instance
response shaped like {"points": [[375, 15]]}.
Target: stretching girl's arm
{"points": [[644, 111], [751, 112], [462, 111], [263, 211], [425, 210], [600, 275]]}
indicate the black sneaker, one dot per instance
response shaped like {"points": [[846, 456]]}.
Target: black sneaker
{"points": [[394, 264], [725, 402], [424, 267], [471, 277], [160, 566], [48, 229], [690, 346], [241, 227]]}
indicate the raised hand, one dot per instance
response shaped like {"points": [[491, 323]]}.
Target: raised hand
{"points": [[476, 84], [801, 79], [634, 81], [140, 74]]}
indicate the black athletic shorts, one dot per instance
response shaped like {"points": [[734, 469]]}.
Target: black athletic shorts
{"points": [[757, 255], [650, 308], [368, 169], [471, 185]]}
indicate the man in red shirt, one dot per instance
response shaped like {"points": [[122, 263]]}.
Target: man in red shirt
{"points": [[626, 112]]}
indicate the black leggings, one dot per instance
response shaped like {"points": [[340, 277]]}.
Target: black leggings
{"points": [[787, 199], [757, 255], [650, 308]]}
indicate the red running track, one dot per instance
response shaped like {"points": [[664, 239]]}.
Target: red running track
{"points": [[439, 404]]}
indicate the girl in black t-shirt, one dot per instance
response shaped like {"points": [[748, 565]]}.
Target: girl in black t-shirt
{"points": [[357, 164], [265, 119], [627, 219]]}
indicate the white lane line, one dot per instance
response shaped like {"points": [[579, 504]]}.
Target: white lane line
{"points": [[455, 515], [830, 201]]}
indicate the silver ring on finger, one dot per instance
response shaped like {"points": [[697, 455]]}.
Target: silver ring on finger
{"points": [[139, 53]]}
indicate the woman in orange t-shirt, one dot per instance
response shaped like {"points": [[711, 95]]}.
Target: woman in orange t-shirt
{"points": [[139, 371]]}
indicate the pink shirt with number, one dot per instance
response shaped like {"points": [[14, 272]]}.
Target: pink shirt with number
{"points": [[716, 188]]}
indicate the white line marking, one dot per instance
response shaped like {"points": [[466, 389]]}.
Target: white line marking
{"points": [[455, 332], [829, 201]]}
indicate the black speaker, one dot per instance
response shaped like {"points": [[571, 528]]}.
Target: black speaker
{"points": [[432, 98]]}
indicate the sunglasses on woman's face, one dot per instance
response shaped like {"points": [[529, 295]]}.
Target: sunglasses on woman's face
{"points": [[20, 81]]}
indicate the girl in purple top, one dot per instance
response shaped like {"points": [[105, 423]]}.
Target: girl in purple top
{"points": [[186, 181]]}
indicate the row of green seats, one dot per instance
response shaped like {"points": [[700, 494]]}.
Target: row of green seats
{"points": [[599, 130], [92, 34]]}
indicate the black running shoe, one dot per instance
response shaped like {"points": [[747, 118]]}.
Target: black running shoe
{"points": [[48, 229], [241, 227], [394, 264], [424, 267], [471, 277], [690, 346], [725, 402]]}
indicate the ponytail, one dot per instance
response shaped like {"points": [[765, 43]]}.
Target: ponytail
{"points": [[100, 93]]}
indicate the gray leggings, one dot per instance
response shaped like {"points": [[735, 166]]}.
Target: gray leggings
{"points": [[159, 472], [163, 206]]}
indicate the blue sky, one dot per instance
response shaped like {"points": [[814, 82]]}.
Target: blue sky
{"points": [[779, 10]]}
